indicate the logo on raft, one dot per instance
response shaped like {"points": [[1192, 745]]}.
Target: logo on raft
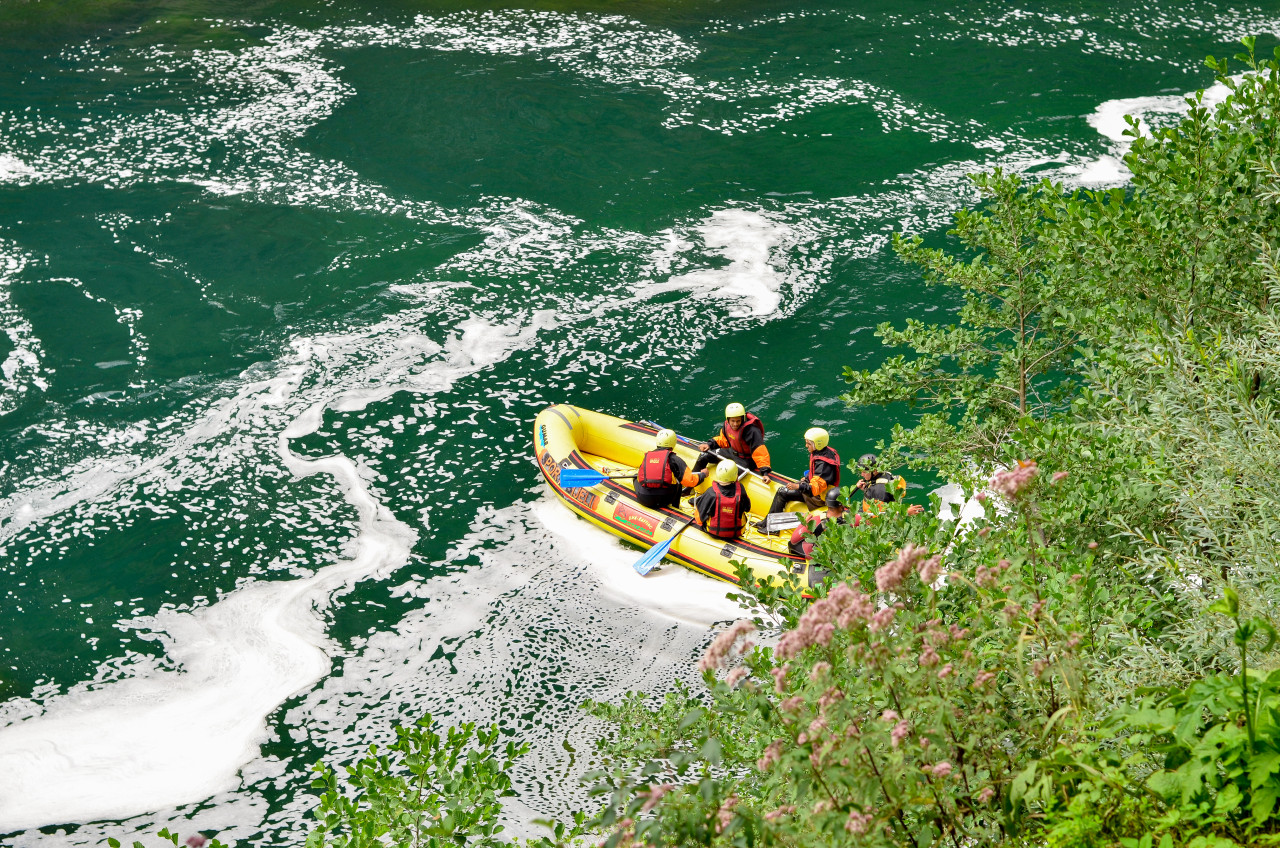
{"points": [[586, 497], [624, 514]]}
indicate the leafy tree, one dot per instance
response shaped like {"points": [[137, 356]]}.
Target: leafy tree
{"points": [[1004, 361]]}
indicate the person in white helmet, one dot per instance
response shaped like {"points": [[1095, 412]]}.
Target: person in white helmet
{"points": [[662, 474], [823, 474], [723, 507], [741, 439]]}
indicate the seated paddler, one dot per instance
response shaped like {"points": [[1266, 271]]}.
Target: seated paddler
{"points": [[723, 507], [741, 439], [663, 474], [823, 474]]}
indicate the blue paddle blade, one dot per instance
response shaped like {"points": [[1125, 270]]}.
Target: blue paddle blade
{"points": [[575, 478], [653, 556]]}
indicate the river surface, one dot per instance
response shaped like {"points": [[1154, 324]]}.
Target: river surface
{"points": [[283, 285]]}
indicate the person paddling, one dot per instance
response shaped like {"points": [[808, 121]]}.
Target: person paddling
{"points": [[723, 507], [662, 474], [741, 439], [823, 474]]}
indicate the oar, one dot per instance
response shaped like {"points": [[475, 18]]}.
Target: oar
{"points": [[691, 443], [576, 478], [654, 555]]}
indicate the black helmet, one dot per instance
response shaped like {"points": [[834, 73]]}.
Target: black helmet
{"points": [[833, 499], [867, 461]]}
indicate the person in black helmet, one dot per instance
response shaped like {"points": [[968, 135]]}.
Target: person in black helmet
{"points": [[800, 545], [875, 484], [880, 487]]}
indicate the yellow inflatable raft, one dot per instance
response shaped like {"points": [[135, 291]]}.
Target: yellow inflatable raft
{"points": [[569, 437]]}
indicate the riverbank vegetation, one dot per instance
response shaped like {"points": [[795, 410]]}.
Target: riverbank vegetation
{"points": [[1093, 662]]}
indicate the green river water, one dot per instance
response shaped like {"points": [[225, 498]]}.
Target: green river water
{"points": [[282, 286]]}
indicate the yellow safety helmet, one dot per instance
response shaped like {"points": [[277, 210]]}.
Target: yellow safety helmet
{"points": [[665, 439], [726, 471], [735, 410], [818, 436]]}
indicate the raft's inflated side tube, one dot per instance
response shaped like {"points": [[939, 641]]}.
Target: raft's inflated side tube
{"points": [[570, 437]]}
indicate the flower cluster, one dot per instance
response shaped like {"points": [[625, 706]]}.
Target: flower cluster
{"points": [[1011, 482], [717, 654], [890, 575]]}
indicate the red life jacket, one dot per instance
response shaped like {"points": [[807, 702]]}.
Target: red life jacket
{"points": [[835, 463], [723, 523], [655, 470], [736, 444]]}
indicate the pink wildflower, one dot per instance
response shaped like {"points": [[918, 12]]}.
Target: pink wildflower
{"points": [[770, 756], [1012, 482], [824, 633], [724, 816], [816, 727], [982, 678], [929, 657], [718, 651], [890, 715], [1036, 608], [819, 669], [858, 823], [944, 672], [890, 575], [735, 677], [981, 497], [1059, 476], [986, 794], [829, 697], [882, 619], [779, 678], [900, 731], [1012, 611], [792, 705], [929, 570], [958, 633], [196, 840], [984, 577], [924, 742], [774, 815], [942, 769], [654, 795], [1038, 667], [1093, 546], [821, 807]]}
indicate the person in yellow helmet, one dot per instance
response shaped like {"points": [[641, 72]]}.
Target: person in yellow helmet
{"points": [[741, 439], [662, 474], [823, 474], [723, 507]]}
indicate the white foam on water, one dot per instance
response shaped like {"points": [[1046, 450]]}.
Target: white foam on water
{"points": [[237, 659], [670, 589], [14, 170], [21, 370], [1109, 120], [751, 283]]}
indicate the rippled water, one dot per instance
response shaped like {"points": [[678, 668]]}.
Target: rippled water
{"points": [[282, 287]]}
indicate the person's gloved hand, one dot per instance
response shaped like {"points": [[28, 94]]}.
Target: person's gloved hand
{"points": [[764, 470]]}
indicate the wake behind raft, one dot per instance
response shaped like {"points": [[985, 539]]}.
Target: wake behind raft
{"points": [[568, 437]]}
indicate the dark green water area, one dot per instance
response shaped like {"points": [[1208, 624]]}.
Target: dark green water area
{"points": [[283, 285]]}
